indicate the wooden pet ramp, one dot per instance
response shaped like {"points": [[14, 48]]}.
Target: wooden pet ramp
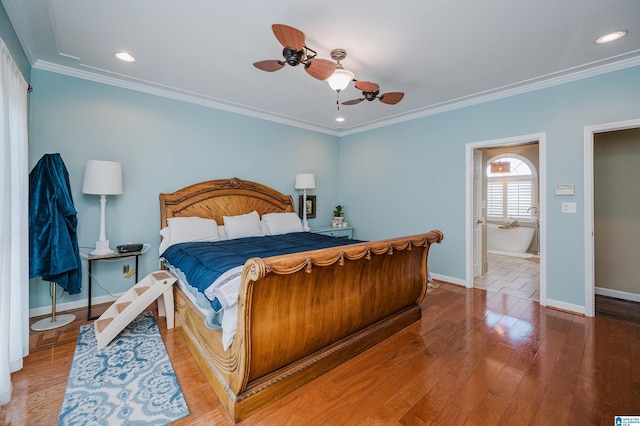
{"points": [[133, 302]]}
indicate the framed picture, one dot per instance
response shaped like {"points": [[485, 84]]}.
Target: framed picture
{"points": [[311, 206]]}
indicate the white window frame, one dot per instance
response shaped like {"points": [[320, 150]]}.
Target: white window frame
{"points": [[533, 178]]}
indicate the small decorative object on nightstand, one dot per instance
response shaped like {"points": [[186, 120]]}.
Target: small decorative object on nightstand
{"points": [[338, 217], [344, 232]]}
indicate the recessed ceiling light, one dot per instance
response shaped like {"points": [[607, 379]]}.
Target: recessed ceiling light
{"points": [[124, 56], [340, 119], [608, 38]]}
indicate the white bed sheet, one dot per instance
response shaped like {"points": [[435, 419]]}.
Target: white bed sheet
{"points": [[227, 286]]}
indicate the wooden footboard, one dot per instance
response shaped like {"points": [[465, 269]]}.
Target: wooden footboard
{"points": [[302, 315]]}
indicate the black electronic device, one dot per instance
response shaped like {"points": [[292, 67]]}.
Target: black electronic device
{"points": [[128, 248]]}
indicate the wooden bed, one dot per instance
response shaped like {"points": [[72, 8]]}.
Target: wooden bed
{"points": [[299, 315]]}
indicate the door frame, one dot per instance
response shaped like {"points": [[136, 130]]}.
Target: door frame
{"points": [[589, 226], [478, 219], [542, 176]]}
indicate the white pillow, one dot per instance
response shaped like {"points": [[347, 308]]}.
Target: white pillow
{"points": [[187, 229], [244, 225], [282, 223], [165, 242], [222, 233]]}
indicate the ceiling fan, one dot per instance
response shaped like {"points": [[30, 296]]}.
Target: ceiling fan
{"points": [[295, 52], [371, 91]]}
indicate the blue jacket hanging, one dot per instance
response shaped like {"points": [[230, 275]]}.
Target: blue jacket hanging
{"points": [[53, 239]]}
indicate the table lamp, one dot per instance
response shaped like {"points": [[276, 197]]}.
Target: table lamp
{"points": [[305, 181], [102, 178]]}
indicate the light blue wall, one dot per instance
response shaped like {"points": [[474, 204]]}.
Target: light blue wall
{"points": [[8, 35], [410, 177], [396, 180], [163, 145]]}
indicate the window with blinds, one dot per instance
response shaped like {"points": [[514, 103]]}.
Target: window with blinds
{"points": [[510, 189], [509, 199]]}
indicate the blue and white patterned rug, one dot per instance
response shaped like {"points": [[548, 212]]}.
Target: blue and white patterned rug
{"points": [[129, 382]]}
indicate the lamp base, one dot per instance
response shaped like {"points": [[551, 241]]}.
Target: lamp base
{"points": [[49, 323], [102, 247]]}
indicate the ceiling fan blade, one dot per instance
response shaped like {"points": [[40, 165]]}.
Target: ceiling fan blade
{"points": [[288, 36], [367, 86], [391, 98], [269, 66], [320, 68], [353, 102]]}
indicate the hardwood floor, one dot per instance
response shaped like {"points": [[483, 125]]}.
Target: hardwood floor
{"points": [[475, 358], [623, 310]]}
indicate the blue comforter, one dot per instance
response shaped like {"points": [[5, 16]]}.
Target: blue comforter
{"points": [[203, 262]]}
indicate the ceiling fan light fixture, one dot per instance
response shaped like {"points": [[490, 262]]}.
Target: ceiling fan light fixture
{"points": [[340, 78]]}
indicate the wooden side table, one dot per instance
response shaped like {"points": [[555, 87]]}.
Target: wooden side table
{"points": [[115, 255]]}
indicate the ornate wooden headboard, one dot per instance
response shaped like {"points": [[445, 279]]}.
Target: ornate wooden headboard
{"points": [[224, 197]]}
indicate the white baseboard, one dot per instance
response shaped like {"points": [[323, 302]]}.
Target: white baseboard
{"points": [[76, 304], [618, 294], [564, 306], [447, 279]]}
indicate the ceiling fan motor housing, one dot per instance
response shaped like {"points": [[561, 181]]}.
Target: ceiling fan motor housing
{"points": [[370, 96], [292, 56]]}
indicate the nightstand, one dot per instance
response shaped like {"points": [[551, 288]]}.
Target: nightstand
{"points": [[334, 232], [110, 256]]}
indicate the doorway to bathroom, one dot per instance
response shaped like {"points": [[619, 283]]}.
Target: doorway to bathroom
{"points": [[505, 216]]}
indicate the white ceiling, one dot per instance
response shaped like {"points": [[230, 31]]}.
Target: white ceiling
{"points": [[441, 53]]}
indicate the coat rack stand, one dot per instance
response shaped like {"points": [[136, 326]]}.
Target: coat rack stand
{"points": [[54, 321]]}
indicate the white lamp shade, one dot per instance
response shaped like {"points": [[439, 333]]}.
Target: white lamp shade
{"points": [[102, 178], [340, 79], [305, 181]]}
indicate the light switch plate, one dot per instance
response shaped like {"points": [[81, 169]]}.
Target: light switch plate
{"points": [[568, 207]]}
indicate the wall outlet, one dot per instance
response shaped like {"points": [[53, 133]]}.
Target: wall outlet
{"points": [[125, 269]]}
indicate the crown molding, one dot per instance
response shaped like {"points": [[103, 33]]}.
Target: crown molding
{"points": [[579, 73], [179, 95]]}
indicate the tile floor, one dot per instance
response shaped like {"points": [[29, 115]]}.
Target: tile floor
{"points": [[511, 275]]}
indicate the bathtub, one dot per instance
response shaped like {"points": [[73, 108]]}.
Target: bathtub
{"points": [[509, 241]]}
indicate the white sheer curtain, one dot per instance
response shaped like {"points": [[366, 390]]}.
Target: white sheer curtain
{"points": [[14, 226]]}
